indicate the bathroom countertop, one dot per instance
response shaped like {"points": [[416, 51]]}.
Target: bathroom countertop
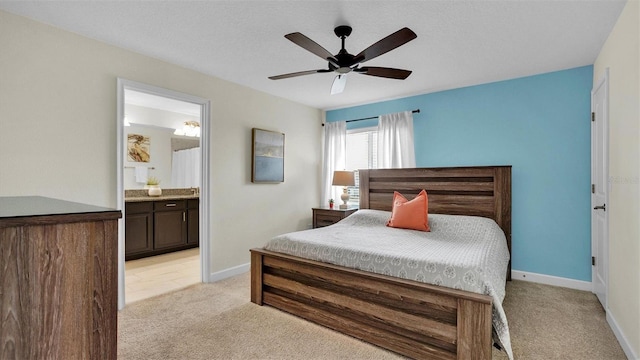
{"points": [[167, 194], [159, 198]]}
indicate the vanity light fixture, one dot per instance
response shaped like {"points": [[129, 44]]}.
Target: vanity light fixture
{"points": [[189, 128]]}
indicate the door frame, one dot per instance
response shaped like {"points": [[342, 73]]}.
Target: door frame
{"points": [[205, 145], [601, 258]]}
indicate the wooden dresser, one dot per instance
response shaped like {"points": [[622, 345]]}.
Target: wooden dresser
{"points": [[58, 279]]}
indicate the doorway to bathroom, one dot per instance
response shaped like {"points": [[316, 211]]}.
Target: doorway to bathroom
{"points": [[163, 175]]}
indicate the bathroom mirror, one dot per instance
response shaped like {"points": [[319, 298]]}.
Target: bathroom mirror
{"points": [[161, 140]]}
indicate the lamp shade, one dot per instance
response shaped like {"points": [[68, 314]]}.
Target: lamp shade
{"points": [[343, 178]]}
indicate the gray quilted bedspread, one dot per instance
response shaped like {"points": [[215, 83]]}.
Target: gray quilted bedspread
{"points": [[461, 252]]}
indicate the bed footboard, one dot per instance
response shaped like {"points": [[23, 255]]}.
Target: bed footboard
{"points": [[411, 318]]}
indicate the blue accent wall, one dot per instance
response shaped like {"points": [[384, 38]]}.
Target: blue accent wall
{"points": [[538, 124]]}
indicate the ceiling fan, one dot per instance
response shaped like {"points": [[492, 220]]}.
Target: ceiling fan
{"points": [[343, 63]]}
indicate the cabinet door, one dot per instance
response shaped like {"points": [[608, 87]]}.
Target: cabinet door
{"points": [[193, 232], [138, 225], [170, 229]]}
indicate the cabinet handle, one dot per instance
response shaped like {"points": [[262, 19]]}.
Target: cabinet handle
{"points": [[184, 216], [170, 205]]}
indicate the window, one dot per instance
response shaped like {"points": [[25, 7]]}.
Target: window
{"points": [[362, 153]]}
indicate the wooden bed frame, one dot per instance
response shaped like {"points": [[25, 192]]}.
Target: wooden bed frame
{"points": [[408, 317]]}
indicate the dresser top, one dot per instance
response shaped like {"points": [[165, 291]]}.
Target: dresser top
{"points": [[14, 208]]}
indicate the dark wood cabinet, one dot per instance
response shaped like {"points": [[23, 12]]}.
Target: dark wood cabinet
{"points": [[170, 224], [325, 216], [157, 227], [193, 222], [138, 226]]}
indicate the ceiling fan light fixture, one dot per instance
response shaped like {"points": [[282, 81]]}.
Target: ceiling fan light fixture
{"points": [[343, 62], [338, 84]]}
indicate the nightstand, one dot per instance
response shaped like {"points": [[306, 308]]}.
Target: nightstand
{"points": [[323, 216]]}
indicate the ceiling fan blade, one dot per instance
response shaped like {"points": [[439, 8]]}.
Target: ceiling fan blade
{"points": [[384, 72], [299, 73], [385, 45], [338, 84], [311, 46]]}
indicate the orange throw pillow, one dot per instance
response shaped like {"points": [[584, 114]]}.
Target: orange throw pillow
{"points": [[410, 214]]}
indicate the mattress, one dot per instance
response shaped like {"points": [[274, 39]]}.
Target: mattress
{"points": [[462, 252]]}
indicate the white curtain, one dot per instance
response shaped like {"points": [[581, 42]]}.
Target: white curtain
{"points": [[395, 141], [185, 168], [335, 143]]}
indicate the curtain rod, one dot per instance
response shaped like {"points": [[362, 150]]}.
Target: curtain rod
{"points": [[375, 117]]}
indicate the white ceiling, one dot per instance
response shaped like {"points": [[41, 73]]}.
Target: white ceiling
{"points": [[459, 43]]}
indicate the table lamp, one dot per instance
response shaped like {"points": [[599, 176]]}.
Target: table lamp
{"points": [[343, 178]]}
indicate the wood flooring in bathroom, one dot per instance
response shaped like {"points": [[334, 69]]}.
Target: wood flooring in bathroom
{"points": [[152, 276]]}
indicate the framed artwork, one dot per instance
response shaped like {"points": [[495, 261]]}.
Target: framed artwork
{"points": [[138, 148], [267, 161]]}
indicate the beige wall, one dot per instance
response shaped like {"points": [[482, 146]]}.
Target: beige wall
{"points": [[58, 134], [620, 54]]}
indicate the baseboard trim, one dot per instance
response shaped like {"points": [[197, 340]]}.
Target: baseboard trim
{"points": [[624, 343], [227, 273], [551, 280]]}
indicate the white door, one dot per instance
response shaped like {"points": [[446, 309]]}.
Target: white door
{"points": [[600, 188]]}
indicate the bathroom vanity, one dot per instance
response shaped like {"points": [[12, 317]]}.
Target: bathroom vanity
{"points": [[158, 225]]}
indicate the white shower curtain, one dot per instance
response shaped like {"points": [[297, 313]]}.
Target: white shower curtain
{"points": [[395, 141], [335, 143], [185, 168]]}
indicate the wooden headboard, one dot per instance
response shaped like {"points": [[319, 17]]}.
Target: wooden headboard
{"points": [[476, 190]]}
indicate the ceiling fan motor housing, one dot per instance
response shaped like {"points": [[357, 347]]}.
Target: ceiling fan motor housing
{"points": [[345, 60]]}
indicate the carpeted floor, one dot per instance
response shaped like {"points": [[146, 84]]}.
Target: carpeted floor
{"points": [[217, 321]]}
